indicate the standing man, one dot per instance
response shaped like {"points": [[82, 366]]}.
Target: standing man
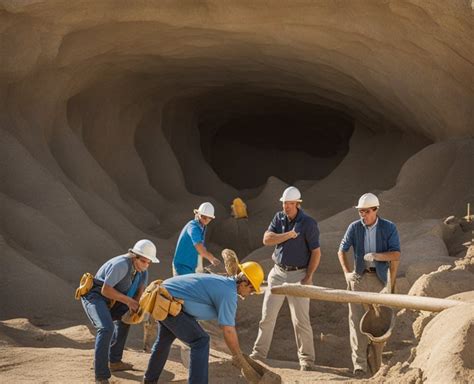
{"points": [[118, 285], [191, 248], [376, 248], [206, 297], [295, 236]]}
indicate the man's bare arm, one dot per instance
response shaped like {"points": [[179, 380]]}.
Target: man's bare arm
{"points": [[206, 254], [272, 238], [312, 266], [231, 339], [343, 261]]}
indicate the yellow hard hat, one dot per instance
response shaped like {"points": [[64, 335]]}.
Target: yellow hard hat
{"points": [[254, 272]]}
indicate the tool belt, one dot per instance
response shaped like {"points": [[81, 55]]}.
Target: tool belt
{"points": [[85, 285], [155, 301]]}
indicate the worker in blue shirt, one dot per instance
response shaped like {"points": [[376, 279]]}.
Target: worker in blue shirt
{"points": [[191, 242], [295, 236], [376, 247], [118, 284], [206, 297]]}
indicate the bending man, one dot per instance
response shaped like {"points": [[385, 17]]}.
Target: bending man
{"points": [[206, 297], [118, 284]]}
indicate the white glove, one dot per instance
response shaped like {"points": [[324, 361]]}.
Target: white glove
{"points": [[352, 277], [369, 257]]}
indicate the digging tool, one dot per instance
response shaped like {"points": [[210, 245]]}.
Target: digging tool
{"points": [[377, 324], [378, 321]]}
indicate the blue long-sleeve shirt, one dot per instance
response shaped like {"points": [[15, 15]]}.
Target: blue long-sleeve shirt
{"points": [[387, 240]]}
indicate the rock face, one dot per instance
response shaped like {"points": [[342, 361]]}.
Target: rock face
{"points": [[445, 350], [444, 282]]}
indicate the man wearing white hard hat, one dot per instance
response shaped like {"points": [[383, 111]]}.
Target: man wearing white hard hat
{"points": [[295, 236], [191, 242], [117, 287], [376, 248]]}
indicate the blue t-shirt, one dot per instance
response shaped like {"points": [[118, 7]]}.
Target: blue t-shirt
{"points": [[118, 273], [186, 256], [206, 297], [295, 252]]}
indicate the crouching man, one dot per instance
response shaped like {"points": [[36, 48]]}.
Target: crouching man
{"points": [[206, 297], [116, 288]]}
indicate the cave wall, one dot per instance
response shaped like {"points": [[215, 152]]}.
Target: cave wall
{"points": [[110, 112]]}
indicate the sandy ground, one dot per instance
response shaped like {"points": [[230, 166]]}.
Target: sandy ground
{"points": [[45, 354]]}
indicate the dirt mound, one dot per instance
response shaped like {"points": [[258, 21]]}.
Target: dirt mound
{"points": [[445, 350]]}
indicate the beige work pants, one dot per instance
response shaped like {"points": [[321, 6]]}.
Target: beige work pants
{"points": [[299, 309], [368, 283]]}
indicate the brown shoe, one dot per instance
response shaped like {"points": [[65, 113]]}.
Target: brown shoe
{"points": [[307, 366], [360, 374], [120, 366]]}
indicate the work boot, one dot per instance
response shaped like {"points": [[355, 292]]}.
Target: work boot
{"points": [[120, 366], [145, 381], [360, 374], [307, 366], [102, 381]]}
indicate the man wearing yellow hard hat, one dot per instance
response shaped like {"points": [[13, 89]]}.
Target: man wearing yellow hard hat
{"points": [[206, 297]]}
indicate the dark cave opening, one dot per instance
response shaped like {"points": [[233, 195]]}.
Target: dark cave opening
{"points": [[274, 136]]}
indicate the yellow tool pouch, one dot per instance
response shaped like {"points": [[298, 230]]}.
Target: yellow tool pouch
{"points": [[156, 301], [85, 285], [165, 305]]}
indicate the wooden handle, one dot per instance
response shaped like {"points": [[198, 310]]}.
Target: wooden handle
{"points": [[342, 296]]}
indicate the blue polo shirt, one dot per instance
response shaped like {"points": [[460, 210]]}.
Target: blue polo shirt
{"points": [[295, 252], [206, 297], [386, 240], [186, 256]]}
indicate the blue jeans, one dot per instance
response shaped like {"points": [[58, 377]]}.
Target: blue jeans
{"points": [[187, 329], [111, 335]]}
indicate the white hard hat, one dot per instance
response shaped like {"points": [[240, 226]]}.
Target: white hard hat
{"points": [[146, 249], [205, 209], [291, 194], [368, 200]]}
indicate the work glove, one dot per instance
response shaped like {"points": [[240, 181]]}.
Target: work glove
{"points": [[352, 277], [231, 262], [369, 257]]}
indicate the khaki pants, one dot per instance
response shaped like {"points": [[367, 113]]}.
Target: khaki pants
{"points": [[299, 309], [368, 283]]}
